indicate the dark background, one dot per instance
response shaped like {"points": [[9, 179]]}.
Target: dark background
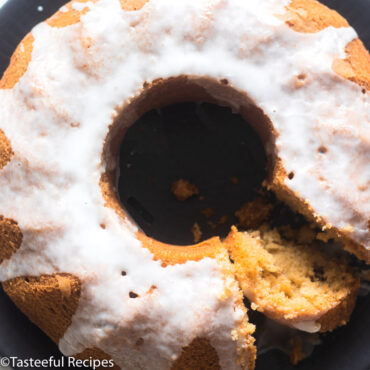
{"points": [[157, 211]]}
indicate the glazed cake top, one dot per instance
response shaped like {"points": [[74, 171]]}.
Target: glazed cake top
{"points": [[58, 115]]}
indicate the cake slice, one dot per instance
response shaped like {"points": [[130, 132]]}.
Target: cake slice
{"points": [[294, 284]]}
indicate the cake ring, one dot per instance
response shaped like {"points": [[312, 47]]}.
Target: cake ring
{"points": [[70, 256]]}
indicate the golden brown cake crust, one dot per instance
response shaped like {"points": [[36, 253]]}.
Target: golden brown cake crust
{"points": [[49, 301], [69, 17], [341, 314], [356, 66], [10, 238], [198, 355], [6, 151], [18, 63], [311, 16]]}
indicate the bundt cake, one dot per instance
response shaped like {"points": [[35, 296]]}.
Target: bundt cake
{"points": [[77, 265]]}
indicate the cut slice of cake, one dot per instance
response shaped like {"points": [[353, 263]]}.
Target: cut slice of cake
{"points": [[297, 285]]}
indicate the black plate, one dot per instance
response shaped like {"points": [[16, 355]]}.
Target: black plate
{"points": [[347, 348]]}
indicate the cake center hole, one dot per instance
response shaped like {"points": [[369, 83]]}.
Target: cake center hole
{"points": [[186, 168]]}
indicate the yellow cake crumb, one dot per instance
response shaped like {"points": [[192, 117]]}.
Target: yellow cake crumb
{"points": [[183, 189], [252, 214], [197, 233], [302, 235], [291, 282]]}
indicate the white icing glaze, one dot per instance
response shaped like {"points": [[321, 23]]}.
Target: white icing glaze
{"points": [[81, 6], [80, 74], [308, 326]]}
